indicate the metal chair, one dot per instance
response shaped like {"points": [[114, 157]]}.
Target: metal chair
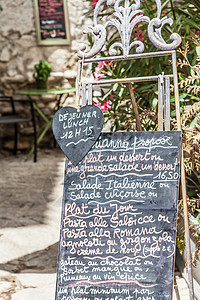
{"points": [[14, 118]]}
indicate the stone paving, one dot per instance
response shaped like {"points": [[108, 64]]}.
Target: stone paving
{"points": [[30, 209]]}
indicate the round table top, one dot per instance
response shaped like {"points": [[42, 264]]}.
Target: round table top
{"points": [[38, 92]]}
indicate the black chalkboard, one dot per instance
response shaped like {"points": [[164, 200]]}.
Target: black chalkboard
{"points": [[118, 223], [76, 132], [51, 21]]}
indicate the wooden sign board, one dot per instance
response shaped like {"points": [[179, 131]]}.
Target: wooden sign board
{"points": [[52, 22], [118, 223]]}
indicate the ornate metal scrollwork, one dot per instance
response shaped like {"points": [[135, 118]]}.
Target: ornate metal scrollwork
{"points": [[125, 19], [155, 28]]}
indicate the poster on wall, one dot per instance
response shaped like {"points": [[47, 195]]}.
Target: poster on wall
{"points": [[52, 22]]}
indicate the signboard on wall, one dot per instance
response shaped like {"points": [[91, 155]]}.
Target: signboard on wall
{"points": [[118, 224], [52, 22]]}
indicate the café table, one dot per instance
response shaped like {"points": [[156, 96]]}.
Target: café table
{"points": [[47, 120]]}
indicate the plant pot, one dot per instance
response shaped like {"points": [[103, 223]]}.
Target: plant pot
{"points": [[181, 262], [41, 84]]}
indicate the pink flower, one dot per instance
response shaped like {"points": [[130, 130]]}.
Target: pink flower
{"points": [[100, 64], [140, 14], [196, 31], [139, 35], [97, 75], [142, 40], [93, 3], [111, 97], [105, 106]]}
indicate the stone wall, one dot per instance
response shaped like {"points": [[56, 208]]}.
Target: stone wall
{"points": [[19, 53]]}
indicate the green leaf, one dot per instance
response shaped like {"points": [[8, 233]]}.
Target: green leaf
{"points": [[198, 50], [173, 113], [193, 123], [115, 86], [190, 22], [107, 94], [197, 219], [181, 76], [154, 104], [194, 97], [182, 96], [196, 4], [121, 92], [164, 4], [192, 73], [187, 29]]}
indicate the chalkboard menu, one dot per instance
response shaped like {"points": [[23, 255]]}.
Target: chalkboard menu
{"points": [[76, 132], [118, 223], [51, 22]]}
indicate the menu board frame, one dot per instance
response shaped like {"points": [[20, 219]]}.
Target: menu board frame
{"points": [[141, 168], [52, 41]]}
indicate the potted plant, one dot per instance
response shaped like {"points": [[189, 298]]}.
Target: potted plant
{"points": [[42, 73]]}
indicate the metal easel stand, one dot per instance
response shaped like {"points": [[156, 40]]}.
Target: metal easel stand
{"points": [[183, 183], [164, 100], [125, 18]]}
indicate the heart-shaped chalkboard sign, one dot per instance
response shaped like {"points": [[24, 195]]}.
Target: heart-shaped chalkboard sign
{"points": [[76, 132]]}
